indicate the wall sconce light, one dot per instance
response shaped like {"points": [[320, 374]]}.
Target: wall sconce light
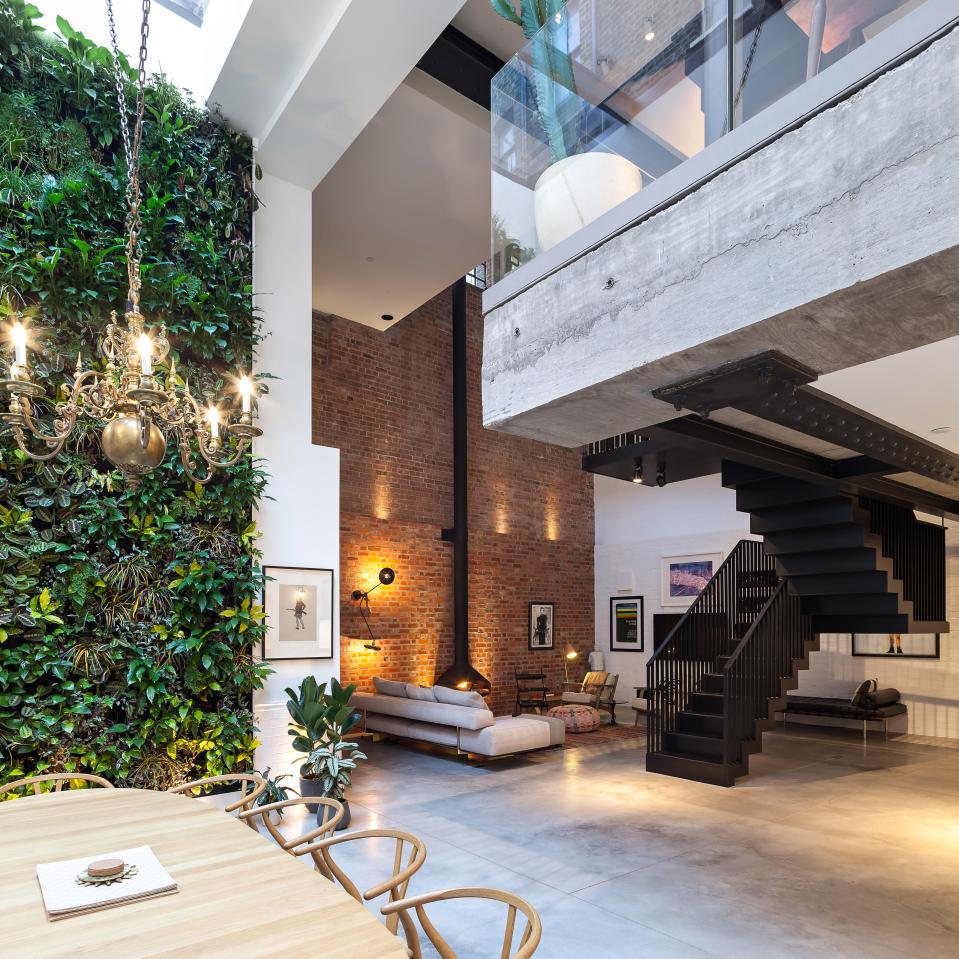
{"points": [[570, 656], [638, 472], [362, 598]]}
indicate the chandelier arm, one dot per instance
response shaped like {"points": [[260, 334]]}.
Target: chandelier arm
{"points": [[39, 457], [225, 464], [69, 419]]}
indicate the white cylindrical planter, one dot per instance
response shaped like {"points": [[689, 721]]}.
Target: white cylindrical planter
{"points": [[575, 191]]}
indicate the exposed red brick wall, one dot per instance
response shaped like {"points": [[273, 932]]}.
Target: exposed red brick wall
{"points": [[385, 400]]}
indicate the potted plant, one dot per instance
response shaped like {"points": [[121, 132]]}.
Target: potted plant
{"points": [[578, 186], [274, 792], [319, 721]]}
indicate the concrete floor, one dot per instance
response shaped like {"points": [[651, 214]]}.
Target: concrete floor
{"points": [[827, 849]]}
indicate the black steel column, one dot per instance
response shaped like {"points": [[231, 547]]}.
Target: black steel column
{"points": [[461, 674], [460, 478]]}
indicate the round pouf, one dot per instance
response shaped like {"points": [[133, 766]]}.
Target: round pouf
{"points": [[577, 717]]}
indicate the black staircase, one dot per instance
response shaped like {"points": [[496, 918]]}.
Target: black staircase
{"points": [[829, 562]]}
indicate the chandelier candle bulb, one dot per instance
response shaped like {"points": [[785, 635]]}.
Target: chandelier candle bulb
{"points": [[213, 418], [145, 349], [246, 390], [19, 336]]}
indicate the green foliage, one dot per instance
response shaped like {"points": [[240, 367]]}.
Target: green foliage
{"points": [[318, 721], [127, 618], [333, 764], [558, 107]]}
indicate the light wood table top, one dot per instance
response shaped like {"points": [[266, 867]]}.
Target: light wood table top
{"points": [[239, 895]]}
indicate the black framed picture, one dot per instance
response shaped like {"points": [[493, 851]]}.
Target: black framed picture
{"points": [[540, 625], [626, 624], [299, 613], [896, 645]]}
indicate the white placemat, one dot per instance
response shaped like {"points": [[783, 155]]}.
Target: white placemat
{"points": [[63, 896]]}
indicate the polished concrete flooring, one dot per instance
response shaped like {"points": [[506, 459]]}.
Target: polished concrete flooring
{"points": [[827, 849]]}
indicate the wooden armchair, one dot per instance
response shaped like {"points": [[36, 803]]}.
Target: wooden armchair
{"points": [[598, 690], [54, 781]]}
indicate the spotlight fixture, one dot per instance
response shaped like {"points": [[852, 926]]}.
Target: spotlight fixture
{"points": [[650, 33], [638, 472], [362, 598], [661, 475]]}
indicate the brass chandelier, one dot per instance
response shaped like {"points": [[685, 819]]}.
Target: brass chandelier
{"points": [[125, 395]]}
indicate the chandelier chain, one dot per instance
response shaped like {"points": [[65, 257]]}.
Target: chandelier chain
{"points": [[131, 145]]}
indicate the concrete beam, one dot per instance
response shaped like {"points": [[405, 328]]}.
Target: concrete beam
{"points": [[837, 244]]}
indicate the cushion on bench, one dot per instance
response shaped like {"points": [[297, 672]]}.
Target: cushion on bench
{"points": [[841, 708]]}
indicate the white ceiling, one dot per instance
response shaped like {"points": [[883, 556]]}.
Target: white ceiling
{"points": [[917, 390], [405, 212]]}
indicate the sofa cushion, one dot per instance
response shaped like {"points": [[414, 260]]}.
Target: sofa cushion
{"points": [[466, 717], [459, 697], [509, 734], [424, 694], [434, 733], [862, 692], [388, 724], [389, 687]]}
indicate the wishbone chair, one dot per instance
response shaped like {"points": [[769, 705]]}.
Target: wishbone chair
{"points": [[59, 778]]}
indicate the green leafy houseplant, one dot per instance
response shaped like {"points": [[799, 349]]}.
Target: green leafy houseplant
{"points": [[127, 618], [552, 72], [319, 722], [274, 792]]}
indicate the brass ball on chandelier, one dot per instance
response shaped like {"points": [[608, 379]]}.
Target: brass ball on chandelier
{"points": [[123, 445]]}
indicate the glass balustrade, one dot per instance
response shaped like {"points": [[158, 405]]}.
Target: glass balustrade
{"points": [[612, 94]]}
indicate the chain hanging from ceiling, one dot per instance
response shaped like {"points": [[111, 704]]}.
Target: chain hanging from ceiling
{"points": [[135, 411]]}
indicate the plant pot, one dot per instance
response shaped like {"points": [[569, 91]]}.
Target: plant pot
{"points": [[575, 191], [311, 787], [345, 821]]}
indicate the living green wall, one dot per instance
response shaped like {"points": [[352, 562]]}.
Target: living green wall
{"points": [[127, 618]]}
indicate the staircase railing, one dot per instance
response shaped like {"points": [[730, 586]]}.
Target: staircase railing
{"points": [[676, 669], [918, 554], [754, 673]]}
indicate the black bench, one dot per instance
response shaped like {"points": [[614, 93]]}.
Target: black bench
{"points": [[842, 709]]}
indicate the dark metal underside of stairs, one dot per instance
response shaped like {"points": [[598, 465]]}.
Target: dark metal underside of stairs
{"points": [[828, 562]]}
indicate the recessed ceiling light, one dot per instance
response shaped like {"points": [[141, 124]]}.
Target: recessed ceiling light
{"points": [[370, 259], [387, 317], [941, 429]]}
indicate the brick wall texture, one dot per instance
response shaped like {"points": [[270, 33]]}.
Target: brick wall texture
{"points": [[385, 400]]}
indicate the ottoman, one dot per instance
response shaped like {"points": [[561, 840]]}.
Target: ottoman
{"points": [[577, 717]]}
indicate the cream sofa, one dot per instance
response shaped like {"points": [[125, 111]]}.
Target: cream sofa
{"points": [[463, 722]]}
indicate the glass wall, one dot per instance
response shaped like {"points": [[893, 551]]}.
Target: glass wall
{"points": [[612, 94]]}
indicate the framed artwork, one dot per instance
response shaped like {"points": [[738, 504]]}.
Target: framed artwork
{"points": [[299, 613], [540, 625], [626, 624], [685, 577], [896, 645]]}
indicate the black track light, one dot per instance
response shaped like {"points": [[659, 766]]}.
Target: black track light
{"points": [[638, 472], [661, 475]]}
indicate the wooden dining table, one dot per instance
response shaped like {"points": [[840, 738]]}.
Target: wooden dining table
{"points": [[239, 894]]}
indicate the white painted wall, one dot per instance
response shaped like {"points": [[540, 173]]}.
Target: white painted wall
{"points": [[635, 527], [299, 516]]}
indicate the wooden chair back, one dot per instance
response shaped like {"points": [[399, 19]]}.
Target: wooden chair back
{"points": [[594, 681], [329, 816], [397, 883], [252, 786], [531, 691], [528, 940], [59, 780]]}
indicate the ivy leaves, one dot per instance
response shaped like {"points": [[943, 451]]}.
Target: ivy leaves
{"points": [[127, 617]]}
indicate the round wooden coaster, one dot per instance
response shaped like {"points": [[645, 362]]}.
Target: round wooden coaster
{"points": [[104, 868]]}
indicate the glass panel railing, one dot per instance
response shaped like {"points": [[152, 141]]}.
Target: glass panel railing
{"points": [[611, 94]]}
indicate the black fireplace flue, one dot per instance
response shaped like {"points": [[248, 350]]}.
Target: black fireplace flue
{"points": [[461, 675]]}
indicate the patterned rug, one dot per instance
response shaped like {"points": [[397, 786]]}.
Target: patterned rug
{"points": [[624, 735]]}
